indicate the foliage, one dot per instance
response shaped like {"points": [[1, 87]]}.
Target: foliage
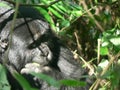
{"points": [[23, 82], [4, 84], [80, 23]]}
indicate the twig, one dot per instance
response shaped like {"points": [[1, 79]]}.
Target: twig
{"points": [[90, 14], [113, 58], [77, 40], [88, 66], [98, 52]]}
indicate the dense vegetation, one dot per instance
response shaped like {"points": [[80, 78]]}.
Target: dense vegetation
{"points": [[91, 29]]}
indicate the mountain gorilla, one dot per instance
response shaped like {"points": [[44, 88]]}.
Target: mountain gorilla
{"points": [[32, 46]]}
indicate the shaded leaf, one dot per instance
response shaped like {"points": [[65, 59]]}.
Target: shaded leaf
{"points": [[73, 83], [48, 79], [23, 82], [65, 23]]}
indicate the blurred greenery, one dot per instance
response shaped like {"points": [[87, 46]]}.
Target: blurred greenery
{"points": [[4, 84], [23, 82], [79, 24]]}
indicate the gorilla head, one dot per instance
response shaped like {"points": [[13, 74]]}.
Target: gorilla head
{"points": [[26, 40], [20, 42]]}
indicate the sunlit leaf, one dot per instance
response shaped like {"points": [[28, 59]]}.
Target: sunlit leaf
{"points": [[105, 43], [59, 9], [104, 51], [56, 13], [115, 40], [103, 63]]}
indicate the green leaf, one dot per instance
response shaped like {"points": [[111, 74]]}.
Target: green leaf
{"points": [[77, 13], [51, 81], [60, 6], [105, 43], [73, 83], [65, 23], [115, 40], [56, 13], [58, 9], [4, 85], [44, 13], [62, 33], [23, 82], [104, 51], [46, 16]]}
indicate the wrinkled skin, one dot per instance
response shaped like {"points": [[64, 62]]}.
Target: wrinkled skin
{"points": [[32, 46]]}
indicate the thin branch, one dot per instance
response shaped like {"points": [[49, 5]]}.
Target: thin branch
{"points": [[91, 69], [90, 14], [98, 51], [77, 40]]}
